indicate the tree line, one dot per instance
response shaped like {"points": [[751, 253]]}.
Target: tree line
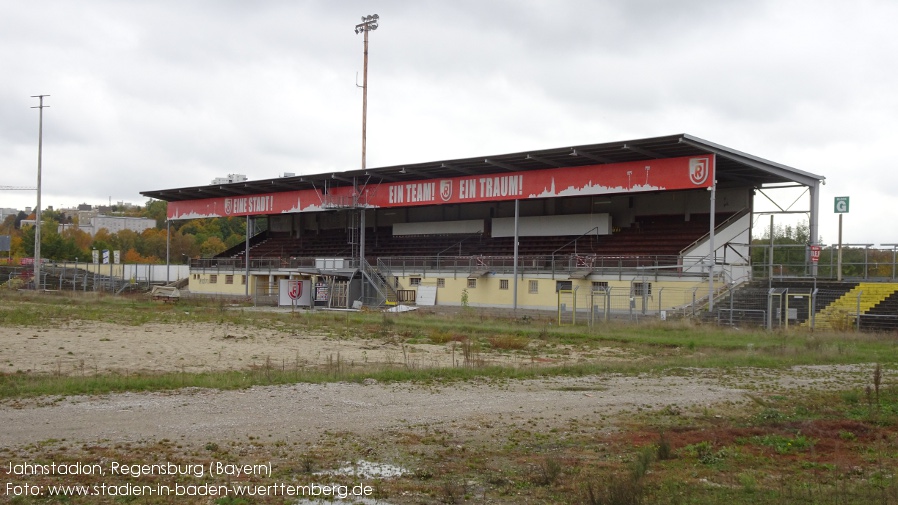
{"points": [[791, 256], [197, 238]]}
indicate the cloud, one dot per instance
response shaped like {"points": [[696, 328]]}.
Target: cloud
{"points": [[154, 95]]}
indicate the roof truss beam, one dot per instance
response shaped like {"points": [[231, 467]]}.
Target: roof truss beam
{"points": [[409, 171], [457, 168], [384, 177], [344, 179], [644, 152], [499, 164], [593, 157], [544, 161]]}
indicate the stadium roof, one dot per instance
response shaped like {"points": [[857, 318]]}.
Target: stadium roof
{"points": [[734, 168]]}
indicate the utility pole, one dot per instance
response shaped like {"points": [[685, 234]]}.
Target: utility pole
{"points": [[368, 24], [37, 212]]}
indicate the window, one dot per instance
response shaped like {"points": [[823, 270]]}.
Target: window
{"points": [[213, 279], [503, 283], [229, 279], [472, 283], [414, 281], [563, 286], [441, 283], [599, 285], [533, 287], [642, 289], [243, 280]]}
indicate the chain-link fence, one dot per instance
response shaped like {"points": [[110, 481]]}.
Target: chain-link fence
{"points": [[63, 278], [847, 307], [635, 303], [844, 309]]}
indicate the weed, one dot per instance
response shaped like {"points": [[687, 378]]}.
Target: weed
{"points": [[847, 436], [705, 454], [748, 482], [547, 472], [616, 490], [663, 450], [307, 463], [621, 488], [877, 380], [453, 492], [771, 415]]}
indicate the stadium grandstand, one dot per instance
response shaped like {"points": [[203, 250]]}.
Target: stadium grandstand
{"points": [[662, 223]]}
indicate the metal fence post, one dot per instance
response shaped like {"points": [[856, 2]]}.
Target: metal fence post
{"points": [[813, 308], [607, 303], [732, 301]]}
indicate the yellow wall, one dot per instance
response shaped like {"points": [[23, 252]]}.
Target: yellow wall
{"points": [[488, 291], [201, 283]]}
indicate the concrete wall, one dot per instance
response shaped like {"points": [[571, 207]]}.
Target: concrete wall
{"points": [[439, 228], [552, 226]]}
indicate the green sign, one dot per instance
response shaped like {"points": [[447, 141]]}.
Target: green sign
{"points": [[841, 205]]}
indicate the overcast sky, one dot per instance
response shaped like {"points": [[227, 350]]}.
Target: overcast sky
{"points": [[159, 94]]}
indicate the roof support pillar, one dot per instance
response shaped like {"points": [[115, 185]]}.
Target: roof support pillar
{"points": [[514, 270], [249, 233], [713, 252], [814, 221]]}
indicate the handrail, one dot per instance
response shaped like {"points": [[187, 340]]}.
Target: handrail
{"points": [[722, 224], [575, 240], [459, 243]]}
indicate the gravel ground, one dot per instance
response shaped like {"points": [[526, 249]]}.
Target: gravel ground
{"points": [[307, 411]]}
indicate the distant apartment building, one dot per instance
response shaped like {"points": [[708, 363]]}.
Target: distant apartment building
{"points": [[91, 223], [8, 212], [231, 178]]}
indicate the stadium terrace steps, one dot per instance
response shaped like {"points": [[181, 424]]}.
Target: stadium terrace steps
{"points": [[655, 236], [864, 297]]}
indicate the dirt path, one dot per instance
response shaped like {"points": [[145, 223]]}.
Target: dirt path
{"points": [[306, 411]]}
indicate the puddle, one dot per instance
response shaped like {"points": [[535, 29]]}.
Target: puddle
{"points": [[363, 470], [368, 470], [347, 501]]}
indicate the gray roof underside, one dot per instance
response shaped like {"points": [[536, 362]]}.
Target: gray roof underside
{"points": [[734, 168]]}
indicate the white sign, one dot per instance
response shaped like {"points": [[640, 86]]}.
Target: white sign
{"points": [[427, 296], [294, 292]]}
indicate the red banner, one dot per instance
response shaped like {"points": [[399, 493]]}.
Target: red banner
{"points": [[815, 253], [615, 178]]}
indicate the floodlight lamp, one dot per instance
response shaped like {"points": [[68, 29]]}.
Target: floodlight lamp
{"points": [[376, 16], [363, 19], [373, 26], [369, 17]]}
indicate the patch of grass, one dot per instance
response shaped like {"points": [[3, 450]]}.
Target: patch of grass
{"points": [[507, 342], [783, 444]]}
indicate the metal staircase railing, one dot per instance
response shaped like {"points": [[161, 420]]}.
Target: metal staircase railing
{"points": [[380, 282]]}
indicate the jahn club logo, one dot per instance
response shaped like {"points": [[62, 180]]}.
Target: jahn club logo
{"points": [[698, 170], [446, 190]]}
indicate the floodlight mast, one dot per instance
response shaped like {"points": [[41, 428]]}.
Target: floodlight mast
{"points": [[368, 24]]}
